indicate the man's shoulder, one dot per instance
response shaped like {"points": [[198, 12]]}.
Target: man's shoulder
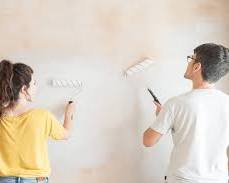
{"points": [[179, 98], [180, 101], [191, 96], [223, 94]]}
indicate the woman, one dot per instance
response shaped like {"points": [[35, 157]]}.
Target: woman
{"points": [[24, 131]]}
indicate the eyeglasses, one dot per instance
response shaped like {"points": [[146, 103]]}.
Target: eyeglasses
{"points": [[190, 59]]}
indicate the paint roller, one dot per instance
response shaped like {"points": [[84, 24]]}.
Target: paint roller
{"points": [[141, 66], [59, 83]]}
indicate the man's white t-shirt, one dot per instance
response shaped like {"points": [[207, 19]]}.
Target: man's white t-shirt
{"points": [[199, 123]]}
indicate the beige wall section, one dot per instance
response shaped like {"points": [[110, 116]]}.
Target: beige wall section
{"points": [[110, 27], [94, 40]]}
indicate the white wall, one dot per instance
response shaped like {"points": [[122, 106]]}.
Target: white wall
{"points": [[94, 41]]}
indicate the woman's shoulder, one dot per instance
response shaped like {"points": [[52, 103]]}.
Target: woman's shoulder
{"points": [[39, 111]]}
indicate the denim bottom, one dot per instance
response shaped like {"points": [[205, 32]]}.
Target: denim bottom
{"points": [[21, 180]]}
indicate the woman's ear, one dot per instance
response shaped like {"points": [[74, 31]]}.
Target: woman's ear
{"points": [[24, 92]]}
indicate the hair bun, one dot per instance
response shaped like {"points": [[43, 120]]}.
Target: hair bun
{"points": [[6, 76]]}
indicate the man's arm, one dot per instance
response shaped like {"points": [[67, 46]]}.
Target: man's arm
{"points": [[151, 137]]}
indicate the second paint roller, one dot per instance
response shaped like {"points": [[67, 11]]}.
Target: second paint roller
{"points": [[77, 85]]}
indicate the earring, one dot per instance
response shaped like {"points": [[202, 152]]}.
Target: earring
{"points": [[28, 98]]}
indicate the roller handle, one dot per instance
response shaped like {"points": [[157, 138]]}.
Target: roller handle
{"points": [[154, 97]]}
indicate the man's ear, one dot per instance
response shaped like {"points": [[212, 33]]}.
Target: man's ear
{"points": [[196, 67]]}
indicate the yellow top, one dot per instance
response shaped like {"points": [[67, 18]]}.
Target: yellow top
{"points": [[23, 143]]}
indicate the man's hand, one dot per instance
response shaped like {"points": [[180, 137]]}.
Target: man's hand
{"points": [[159, 107]]}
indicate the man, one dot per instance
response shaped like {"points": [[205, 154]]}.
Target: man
{"points": [[198, 121]]}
